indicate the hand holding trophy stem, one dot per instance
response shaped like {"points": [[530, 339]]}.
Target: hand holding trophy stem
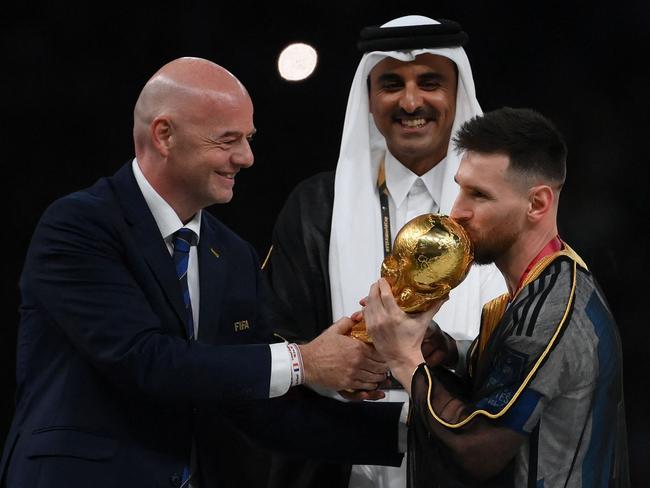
{"points": [[432, 254]]}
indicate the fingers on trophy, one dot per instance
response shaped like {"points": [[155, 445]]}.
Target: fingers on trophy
{"points": [[432, 254]]}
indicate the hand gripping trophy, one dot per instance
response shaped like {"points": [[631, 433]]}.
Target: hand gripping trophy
{"points": [[432, 254]]}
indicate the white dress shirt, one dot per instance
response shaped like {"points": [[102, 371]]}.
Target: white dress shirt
{"points": [[411, 195]]}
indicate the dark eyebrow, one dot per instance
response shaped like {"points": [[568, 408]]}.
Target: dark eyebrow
{"points": [[478, 188], [389, 77], [430, 76], [487, 192]]}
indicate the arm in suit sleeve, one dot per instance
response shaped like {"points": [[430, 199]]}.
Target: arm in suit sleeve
{"points": [[80, 275], [306, 424]]}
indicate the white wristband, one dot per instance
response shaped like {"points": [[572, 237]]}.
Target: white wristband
{"points": [[297, 375]]}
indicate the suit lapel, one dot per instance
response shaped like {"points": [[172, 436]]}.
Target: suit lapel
{"points": [[212, 272], [148, 239], [161, 264]]}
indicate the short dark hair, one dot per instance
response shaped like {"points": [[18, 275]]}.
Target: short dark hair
{"points": [[533, 144]]}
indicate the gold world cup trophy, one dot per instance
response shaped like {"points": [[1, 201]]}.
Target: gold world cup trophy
{"points": [[432, 254]]}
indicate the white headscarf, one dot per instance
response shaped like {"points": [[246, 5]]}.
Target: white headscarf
{"points": [[356, 250]]}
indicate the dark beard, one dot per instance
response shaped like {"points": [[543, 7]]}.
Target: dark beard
{"points": [[488, 249], [485, 256]]}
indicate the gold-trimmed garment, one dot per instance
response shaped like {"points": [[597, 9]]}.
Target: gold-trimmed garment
{"points": [[491, 320]]}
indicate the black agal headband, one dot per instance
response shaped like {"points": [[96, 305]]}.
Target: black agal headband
{"points": [[445, 34]]}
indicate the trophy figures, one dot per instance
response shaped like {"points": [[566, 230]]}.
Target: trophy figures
{"points": [[432, 254]]}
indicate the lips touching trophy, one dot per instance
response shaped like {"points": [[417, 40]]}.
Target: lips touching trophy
{"points": [[432, 254]]}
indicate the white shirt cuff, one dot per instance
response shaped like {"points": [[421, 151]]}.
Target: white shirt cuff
{"points": [[280, 369]]}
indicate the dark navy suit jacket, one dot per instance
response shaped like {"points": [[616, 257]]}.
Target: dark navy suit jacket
{"points": [[110, 391]]}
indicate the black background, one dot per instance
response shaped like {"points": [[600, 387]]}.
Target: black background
{"points": [[70, 75]]}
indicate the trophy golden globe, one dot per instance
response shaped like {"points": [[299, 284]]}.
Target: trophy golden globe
{"points": [[432, 255]]}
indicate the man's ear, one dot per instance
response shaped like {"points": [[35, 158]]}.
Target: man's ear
{"points": [[541, 200], [161, 134]]}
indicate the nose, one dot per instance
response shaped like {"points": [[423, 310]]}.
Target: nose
{"points": [[243, 156], [411, 98], [460, 212]]}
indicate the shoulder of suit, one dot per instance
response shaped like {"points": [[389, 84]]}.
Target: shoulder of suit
{"points": [[222, 232], [88, 200]]}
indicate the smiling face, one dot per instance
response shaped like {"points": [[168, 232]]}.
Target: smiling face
{"points": [[192, 125], [210, 147], [490, 206], [413, 105]]}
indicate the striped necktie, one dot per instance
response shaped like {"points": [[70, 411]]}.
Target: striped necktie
{"points": [[184, 239]]}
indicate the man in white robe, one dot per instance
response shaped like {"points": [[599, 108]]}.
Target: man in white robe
{"points": [[412, 90]]}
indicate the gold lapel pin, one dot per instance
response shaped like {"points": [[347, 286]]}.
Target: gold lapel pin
{"points": [[216, 253]]}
